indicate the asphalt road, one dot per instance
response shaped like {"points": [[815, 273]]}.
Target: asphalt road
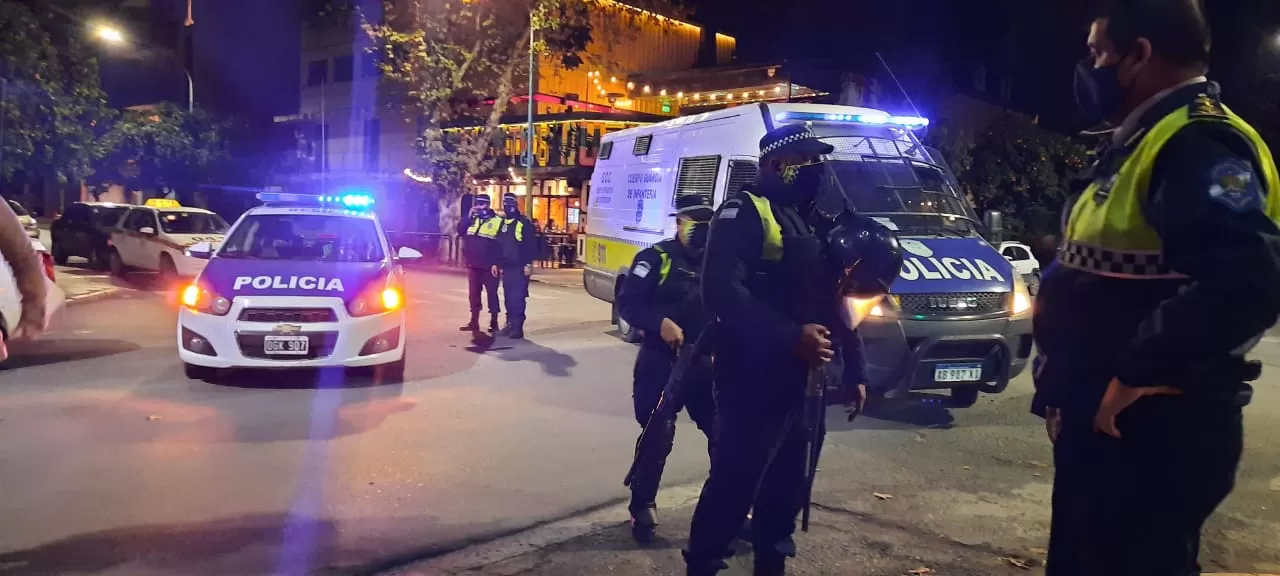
{"points": [[115, 463]]}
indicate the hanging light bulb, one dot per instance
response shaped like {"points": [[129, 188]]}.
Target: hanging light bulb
{"points": [[662, 92], [631, 85]]}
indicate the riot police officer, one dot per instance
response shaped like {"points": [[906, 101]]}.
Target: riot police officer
{"points": [[766, 279], [518, 246], [661, 298], [1166, 279], [479, 233]]}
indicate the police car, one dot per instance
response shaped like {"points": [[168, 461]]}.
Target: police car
{"points": [[302, 281], [154, 237]]}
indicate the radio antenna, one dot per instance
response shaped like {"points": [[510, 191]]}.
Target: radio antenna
{"points": [[900, 88]]}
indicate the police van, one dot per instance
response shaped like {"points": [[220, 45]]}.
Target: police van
{"points": [[154, 238], [958, 317], [301, 281]]}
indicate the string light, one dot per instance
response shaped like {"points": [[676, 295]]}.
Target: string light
{"points": [[777, 89], [613, 79], [697, 96], [631, 85], [647, 89], [679, 94], [662, 92]]}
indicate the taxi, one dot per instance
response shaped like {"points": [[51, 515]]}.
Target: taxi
{"points": [[154, 238], [300, 282]]}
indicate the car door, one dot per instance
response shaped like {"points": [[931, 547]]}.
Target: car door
{"points": [[129, 241]]}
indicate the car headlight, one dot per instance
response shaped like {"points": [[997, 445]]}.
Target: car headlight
{"points": [[201, 299], [378, 299], [1021, 296], [882, 306]]}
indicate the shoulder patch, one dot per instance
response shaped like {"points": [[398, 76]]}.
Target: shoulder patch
{"points": [[1233, 183], [1205, 106], [641, 269], [728, 213]]}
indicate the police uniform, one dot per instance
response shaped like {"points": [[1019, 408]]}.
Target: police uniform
{"points": [[518, 248], [1167, 277], [664, 283], [480, 249], [764, 278]]}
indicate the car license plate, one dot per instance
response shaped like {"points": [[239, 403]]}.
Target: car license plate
{"points": [[286, 345], [957, 373]]}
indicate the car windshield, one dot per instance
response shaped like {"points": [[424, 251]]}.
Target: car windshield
{"points": [[314, 237], [106, 215], [175, 222], [886, 173], [18, 209]]}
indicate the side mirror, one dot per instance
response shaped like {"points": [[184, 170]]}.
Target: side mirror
{"points": [[149, 231], [201, 250], [407, 253], [1008, 257]]}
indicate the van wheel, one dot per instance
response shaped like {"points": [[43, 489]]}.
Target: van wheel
{"points": [[626, 331], [116, 264], [964, 396]]}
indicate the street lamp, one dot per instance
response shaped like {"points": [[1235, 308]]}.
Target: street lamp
{"points": [[528, 145], [115, 36]]}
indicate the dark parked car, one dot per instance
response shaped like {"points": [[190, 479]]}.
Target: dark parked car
{"points": [[84, 230]]}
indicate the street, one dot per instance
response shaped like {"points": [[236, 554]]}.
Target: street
{"points": [[115, 463]]}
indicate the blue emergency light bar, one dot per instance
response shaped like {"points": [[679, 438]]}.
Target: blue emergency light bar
{"points": [[910, 122], [350, 200]]}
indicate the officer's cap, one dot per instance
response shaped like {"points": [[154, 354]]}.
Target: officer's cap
{"points": [[509, 196], [480, 200], [693, 207], [796, 139]]}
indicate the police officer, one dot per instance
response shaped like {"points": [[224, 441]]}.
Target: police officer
{"points": [[762, 275], [479, 234], [661, 298], [519, 247], [1166, 279]]}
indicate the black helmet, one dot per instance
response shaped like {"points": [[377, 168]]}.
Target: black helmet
{"points": [[867, 252]]}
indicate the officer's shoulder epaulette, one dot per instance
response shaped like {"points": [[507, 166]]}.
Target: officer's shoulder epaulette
{"points": [[1206, 106]]}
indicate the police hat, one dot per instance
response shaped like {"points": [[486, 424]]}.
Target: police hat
{"points": [[480, 200], [693, 207], [795, 139]]}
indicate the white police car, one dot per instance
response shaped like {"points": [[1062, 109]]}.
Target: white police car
{"points": [[302, 281]]}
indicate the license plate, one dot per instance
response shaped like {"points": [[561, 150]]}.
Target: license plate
{"points": [[957, 373], [286, 345]]}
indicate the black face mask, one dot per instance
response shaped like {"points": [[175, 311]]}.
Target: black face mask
{"points": [[694, 234], [1098, 91], [510, 207], [797, 184], [484, 212]]}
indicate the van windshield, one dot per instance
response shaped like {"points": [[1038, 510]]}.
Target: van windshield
{"points": [[888, 174]]}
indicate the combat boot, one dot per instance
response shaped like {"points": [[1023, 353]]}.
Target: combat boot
{"points": [[493, 323], [516, 331], [473, 325], [644, 521]]}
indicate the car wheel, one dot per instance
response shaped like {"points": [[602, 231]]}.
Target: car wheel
{"points": [[392, 373], [204, 373], [96, 259], [626, 331], [59, 254], [116, 264], [168, 270], [964, 396]]}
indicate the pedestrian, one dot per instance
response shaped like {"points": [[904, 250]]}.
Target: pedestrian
{"points": [[518, 243], [661, 297], [1166, 279], [479, 232], [28, 275], [767, 281]]}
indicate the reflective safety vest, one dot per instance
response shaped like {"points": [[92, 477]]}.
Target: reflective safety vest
{"points": [[664, 266], [1106, 232], [485, 228], [519, 233], [772, 249]]}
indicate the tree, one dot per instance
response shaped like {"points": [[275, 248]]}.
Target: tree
{"points": [[163, 147], [438, 60]]}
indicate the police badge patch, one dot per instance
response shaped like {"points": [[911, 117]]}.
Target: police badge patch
{"points": [[1234, 183], [641, 269]]}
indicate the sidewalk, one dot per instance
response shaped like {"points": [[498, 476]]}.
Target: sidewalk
{"points": [[80, 284], [563, 277], [838, 542]]}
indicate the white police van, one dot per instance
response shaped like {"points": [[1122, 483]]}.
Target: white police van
{"points": [[302, 281], [957, 318]]}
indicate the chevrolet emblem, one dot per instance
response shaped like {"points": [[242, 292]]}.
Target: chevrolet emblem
{"points": [[288, 329]]}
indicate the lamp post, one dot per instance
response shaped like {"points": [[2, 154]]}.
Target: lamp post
{"points": [[528, 166], [115, 36]]}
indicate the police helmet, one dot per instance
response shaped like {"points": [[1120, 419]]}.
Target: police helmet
{"points": [[870, 258]]}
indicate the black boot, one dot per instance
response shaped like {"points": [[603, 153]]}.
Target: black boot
{"points": [[473, 326], [769, 565], [493, 322], [515, 331], [644, 520], [701, 567]]}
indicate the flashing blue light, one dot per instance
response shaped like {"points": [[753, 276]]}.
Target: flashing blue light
{"points": [[352, 201], [875, 118]]}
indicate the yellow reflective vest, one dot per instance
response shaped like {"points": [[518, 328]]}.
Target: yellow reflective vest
{"points": [[1106, 232]]}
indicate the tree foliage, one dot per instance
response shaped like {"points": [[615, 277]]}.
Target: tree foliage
{"points": [[163, 147]]}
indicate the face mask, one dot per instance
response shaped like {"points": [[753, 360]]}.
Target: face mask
{"points": [[510, 207], [1098, 91], [804, 180], [694, 234]]}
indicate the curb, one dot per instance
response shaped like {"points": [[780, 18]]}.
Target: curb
{"points": [[93, 296]]}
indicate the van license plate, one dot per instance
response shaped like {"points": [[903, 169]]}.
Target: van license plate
{"points": [[286, 345], [957, 373]]}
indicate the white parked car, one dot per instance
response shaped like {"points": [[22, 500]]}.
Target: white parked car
{"points": [[1020, 255], [155, 237], [26, 219], [11, 302]]}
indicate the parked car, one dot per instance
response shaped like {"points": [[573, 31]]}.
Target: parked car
{"points": [[28, 221], [11, 301], [1024, 263], [84, 230], [154, 238]]}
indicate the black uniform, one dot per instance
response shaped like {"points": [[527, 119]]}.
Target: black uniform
{"points": [[759, 382], [663, 283], [480, 250], [1135, 506], [518, 248]]}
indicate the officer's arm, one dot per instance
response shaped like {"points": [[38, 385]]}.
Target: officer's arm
{"points": [[637, 302], [733, 254], [1208, 204], [528, 248], [463, 224], [855, 359]]}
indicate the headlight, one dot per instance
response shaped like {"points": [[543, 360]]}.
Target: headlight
{"points": [[1021, 296], [886, 305], [201, 299], [378, 299]]}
